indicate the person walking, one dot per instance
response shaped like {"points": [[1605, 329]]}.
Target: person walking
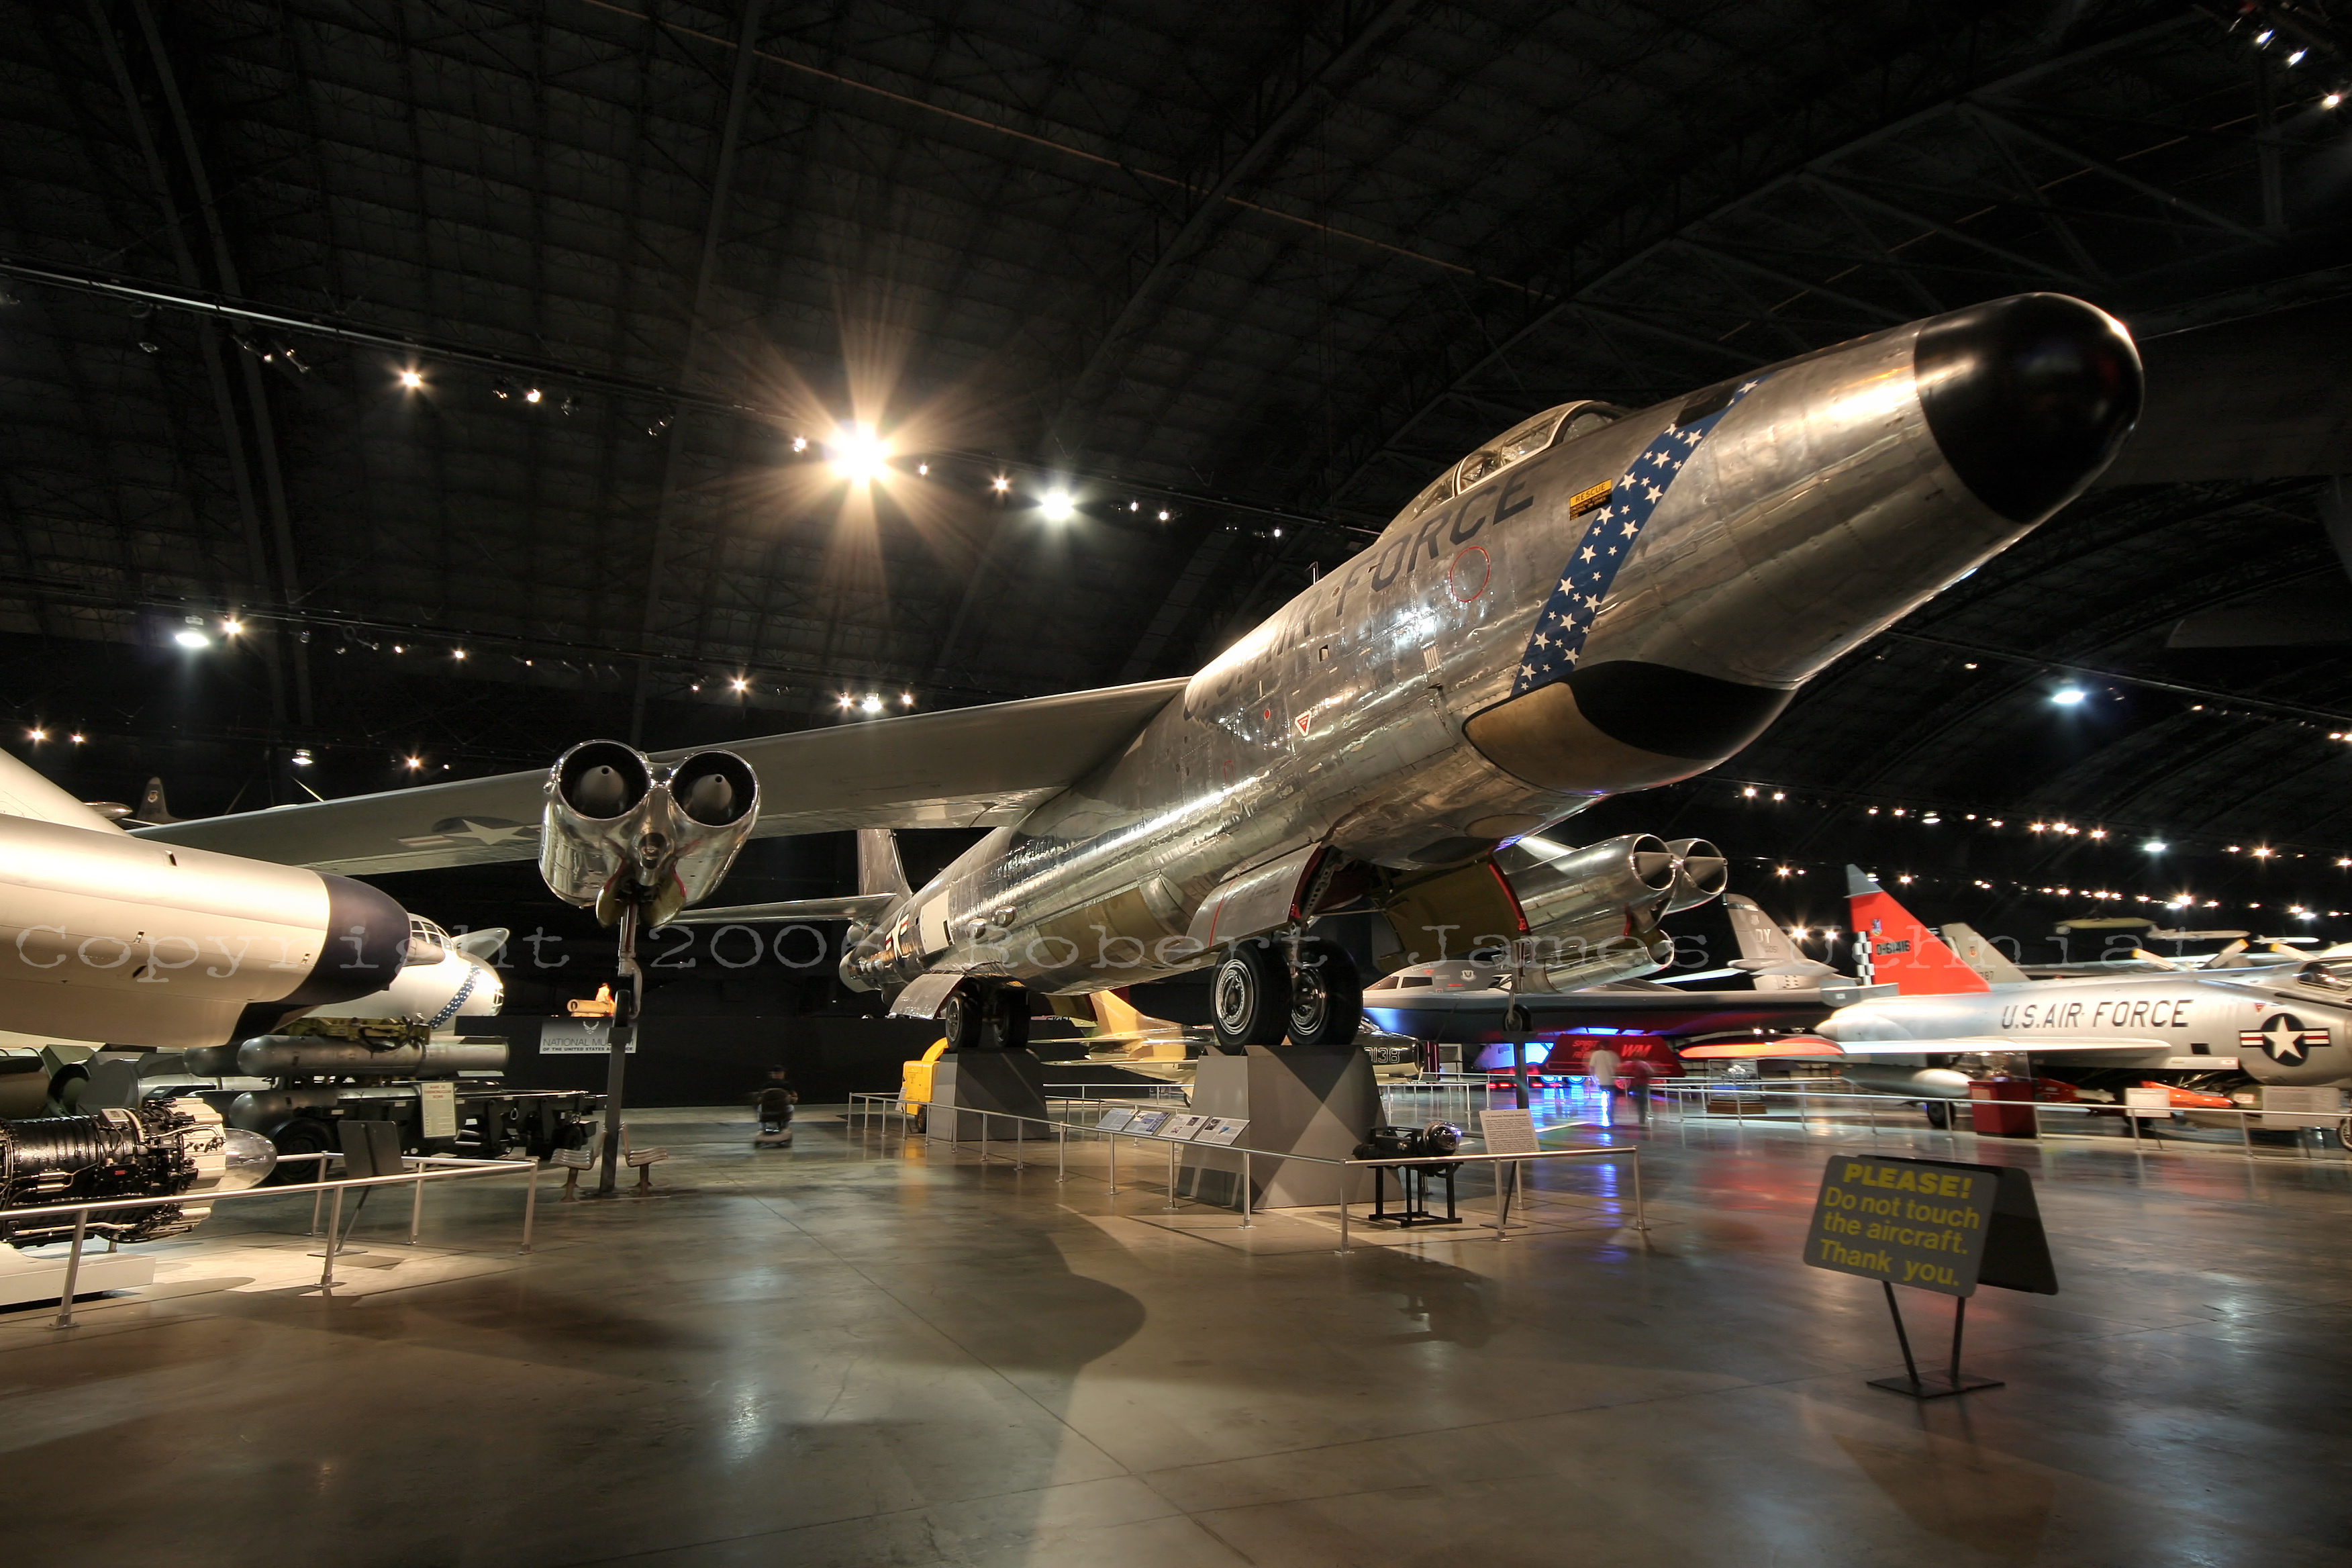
{"points": [[1601, 1068]]}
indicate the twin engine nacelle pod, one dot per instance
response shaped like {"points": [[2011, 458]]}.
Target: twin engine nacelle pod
{"points": [[1592, 914], [620, 830]]}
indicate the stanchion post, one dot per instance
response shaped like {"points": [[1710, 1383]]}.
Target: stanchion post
{"points": [[624, 1030], [1061, 1150], [1641, 1216], [334, 1233], [1343, 1208], [1171, 1175], [73, 1271], [531, 1206], [1246, 1195], [1114, 1163], [2246, 1132], [416, 1205]]}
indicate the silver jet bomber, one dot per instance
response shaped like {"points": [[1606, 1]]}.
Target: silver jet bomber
{"points": [[1597, 601]]}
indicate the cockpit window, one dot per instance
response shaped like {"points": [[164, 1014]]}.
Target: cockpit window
{"points": [[1441, 490], [1523, 441], [2329, 976]]}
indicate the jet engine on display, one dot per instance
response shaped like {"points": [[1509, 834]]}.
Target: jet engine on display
{"points": [[160, 1149], [618, 832]]}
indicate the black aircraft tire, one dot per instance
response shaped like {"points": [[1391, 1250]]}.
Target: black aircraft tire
{"points": [[301, 1135], [1326, 997], [964, 1020], [1940, 1113], [1008, 1017], [1249, 998]]}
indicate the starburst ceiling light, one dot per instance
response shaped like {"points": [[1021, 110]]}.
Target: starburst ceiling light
{"points": [[859, 456]]}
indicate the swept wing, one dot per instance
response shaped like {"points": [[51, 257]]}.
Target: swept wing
{"points": [[962, 768]]}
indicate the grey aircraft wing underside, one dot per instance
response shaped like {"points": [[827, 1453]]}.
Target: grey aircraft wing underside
{"points": [[964, 767]]}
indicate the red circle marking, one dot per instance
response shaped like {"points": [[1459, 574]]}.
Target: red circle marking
{"points": [[1455, 577]]}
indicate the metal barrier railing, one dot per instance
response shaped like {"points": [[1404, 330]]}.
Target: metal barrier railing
{"points": [[865, 1109], [1811, 1095], [1163, 1091], [429, 1168]]}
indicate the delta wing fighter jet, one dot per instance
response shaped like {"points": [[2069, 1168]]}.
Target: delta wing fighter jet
{"points": [[1930, 1021], [1596, 601]]}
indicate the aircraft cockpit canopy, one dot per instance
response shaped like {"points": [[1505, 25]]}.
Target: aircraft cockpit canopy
{"points": [[1522, 441], [427, 941], [2326, 976]]}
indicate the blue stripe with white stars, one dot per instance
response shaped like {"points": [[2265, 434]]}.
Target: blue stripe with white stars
{"points": [[1609, 539]]}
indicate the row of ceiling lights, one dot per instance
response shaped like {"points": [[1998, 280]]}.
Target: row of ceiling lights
{"points": [[193, 636], [2176, 901], [857, 454]]}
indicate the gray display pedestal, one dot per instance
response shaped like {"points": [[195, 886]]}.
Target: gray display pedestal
{"points": [[1296, 1101], [1010, 1081], [24, 1276]]}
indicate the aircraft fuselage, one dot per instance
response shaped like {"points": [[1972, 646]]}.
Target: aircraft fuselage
{"points": [[1622, 608], [2277, 1027]]}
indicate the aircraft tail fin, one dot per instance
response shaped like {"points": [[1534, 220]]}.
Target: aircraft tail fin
{"points": [[1893, 948], [1980, 953], [878, 867], [154, 809], [1761, 941]]}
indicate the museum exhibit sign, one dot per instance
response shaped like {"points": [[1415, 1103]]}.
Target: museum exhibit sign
{"points": [[1937, 1224]]}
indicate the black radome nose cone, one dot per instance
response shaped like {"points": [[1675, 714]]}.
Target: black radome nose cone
{"points": [[2029, 397]]}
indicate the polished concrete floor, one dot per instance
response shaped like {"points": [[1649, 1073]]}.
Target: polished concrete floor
{"points": [[848, 1354]]}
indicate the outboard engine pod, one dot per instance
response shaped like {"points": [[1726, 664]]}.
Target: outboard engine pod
{"points": [[1701, 873], [1591, 913], [619, 832]]}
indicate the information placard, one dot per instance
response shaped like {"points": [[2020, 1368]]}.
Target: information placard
{"points": [[1907, 1222], [1183, 1126], [579, 1038], [2301, 1105], [1222, 1129], [1116, 1119], [1508, 1132], [438, 1103], [1146, 1122]]}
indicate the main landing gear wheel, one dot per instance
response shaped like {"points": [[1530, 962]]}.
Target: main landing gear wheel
{"points": [[1008, 1017], [1940, 1113], [1250, 997], [964, 1019], [1326, 996]]}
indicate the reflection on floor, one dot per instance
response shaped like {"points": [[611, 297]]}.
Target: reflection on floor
{"points": [[848, 1354]]}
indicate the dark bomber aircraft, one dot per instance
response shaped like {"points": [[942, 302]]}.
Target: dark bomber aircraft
{"points": [[1596, 601]]}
